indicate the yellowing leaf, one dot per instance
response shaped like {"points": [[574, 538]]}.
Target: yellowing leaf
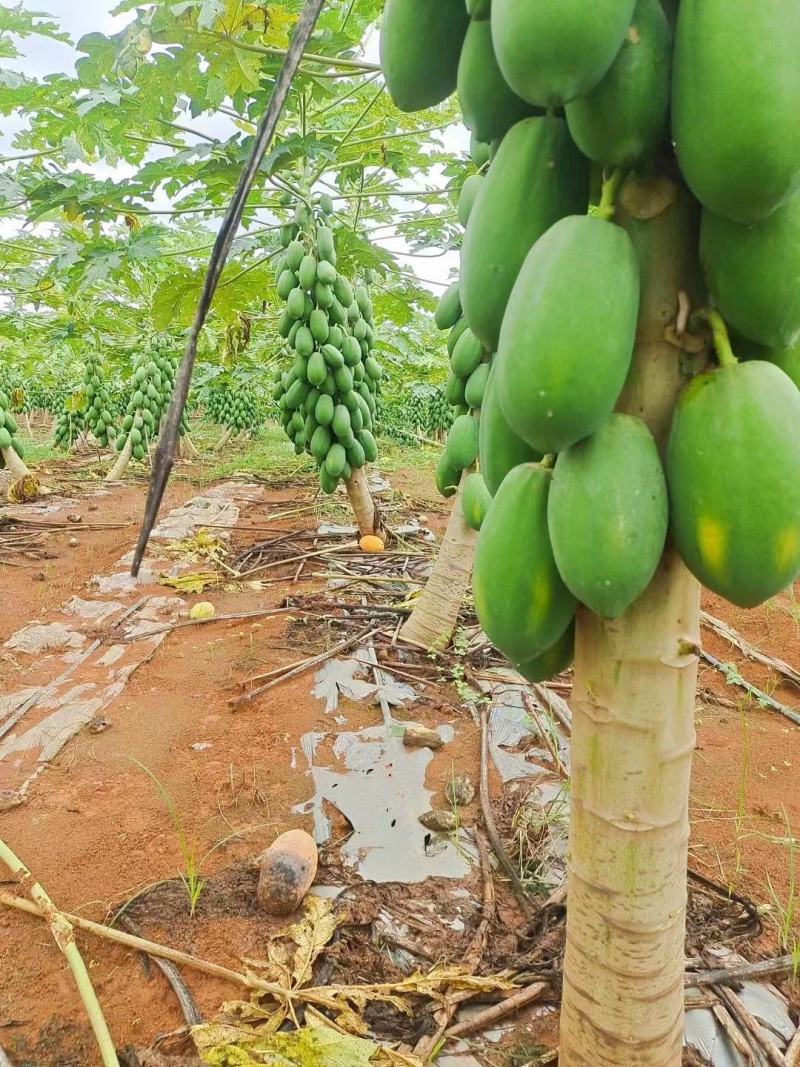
{"points": [[190, 583]]}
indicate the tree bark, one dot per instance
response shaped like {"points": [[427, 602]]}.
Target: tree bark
{"points": [[27, 419], [15, 466], [434, 618], [367, 515], [189, 445], [123, 460], [633, 729]]}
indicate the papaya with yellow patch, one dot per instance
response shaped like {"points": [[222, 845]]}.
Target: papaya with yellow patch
{"points": [[733, 471], [522, 602]]}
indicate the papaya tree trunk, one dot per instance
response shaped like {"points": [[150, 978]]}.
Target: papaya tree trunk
{"points": [[27, 418], [189, 447], [123, 460], [226, 436], [368, 518], [15, 466], [633, 729], [434, 618]]}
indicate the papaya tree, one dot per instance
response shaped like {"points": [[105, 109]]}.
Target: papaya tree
{"points": [[11, 450], [327, 399], [665, 461]]}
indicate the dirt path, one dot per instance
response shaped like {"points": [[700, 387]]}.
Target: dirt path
{"points": [[96, 832]]}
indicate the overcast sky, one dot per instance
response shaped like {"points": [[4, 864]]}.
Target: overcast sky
{"points": [[78, 17]]}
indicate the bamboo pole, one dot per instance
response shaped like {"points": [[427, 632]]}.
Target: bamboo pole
{"points": [[64, 936]]}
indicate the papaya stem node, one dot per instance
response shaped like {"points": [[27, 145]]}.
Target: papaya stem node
{"points": [[607, 207]]}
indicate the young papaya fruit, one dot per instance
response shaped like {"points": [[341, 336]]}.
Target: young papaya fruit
{"points": [[732, 465], [608, 514], [538, 176], [552, 661], [522, 603], [551, 51], [566, 347], [624, 117], [488, 105], [419, 49], [735, 102], [500, 448], [475, 500]]}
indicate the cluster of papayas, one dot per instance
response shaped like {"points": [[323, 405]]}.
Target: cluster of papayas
{"points": [[99, 419], [70, 422], [150, 390], [8, 430], [575, 499], [235, 407], [327, 400]]}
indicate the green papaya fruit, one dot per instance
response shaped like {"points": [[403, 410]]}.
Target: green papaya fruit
{"points": [[608, 515], [351, 350], [319, 326], [343, 377], [479, 151], [296, 303], [344, 291], [335, 460], [488, 105], [369, 445], [419, 50], [327, 481], [476, 386], [448, 310], [552, 661], [326, 272], [466, 198], [323, 410], [286, 282], [463, 442], [447, 477], [624, 117], [333, 357], [788, 359], [467, 355], [565, 347], [321, 443], [538, 177], [500, 448], [317, 369], [326, 244], [735, 102], [455, 389], [732, 469], [522, 603], [294, 255], [455, 334], [356, 455], [552, 51], [304, 342], [475, 501], [340, 423], [753, 273]]}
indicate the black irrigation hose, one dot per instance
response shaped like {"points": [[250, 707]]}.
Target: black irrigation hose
{"points": [[165, 454]]}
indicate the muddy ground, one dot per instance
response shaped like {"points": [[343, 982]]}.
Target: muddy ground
{"points": [[95, 831]]}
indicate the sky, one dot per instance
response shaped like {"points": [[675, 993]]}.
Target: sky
{"points": [[78, 17]]}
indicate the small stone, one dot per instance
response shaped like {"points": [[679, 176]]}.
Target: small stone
{"points": [[421, 737], [74, 518], [460, 790], [288, 871], [441, 822], [99, 723], [201, 746], [73, 542]]}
